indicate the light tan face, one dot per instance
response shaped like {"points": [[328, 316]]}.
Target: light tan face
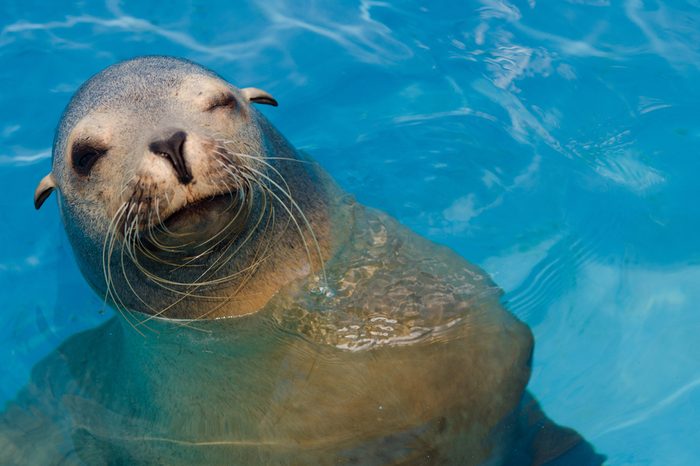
{"points": [[169, 166], [173, 191]]}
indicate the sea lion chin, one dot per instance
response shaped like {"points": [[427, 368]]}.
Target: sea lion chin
{"points": [[196, 225]]}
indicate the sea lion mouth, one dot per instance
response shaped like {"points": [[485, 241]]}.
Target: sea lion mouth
{"points": [[195, 213], [203, 223]]}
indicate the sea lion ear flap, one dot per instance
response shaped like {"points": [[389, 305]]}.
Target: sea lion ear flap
{"points": [[258, 96], [44, 190]]}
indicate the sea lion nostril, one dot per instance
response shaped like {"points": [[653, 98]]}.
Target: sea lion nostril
{"points": [[173, 148]]}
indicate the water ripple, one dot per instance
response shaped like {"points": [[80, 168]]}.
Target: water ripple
{"points": [[240, 50], [23, 158], [645, 413], [671, 34]]}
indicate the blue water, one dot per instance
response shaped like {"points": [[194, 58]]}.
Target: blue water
{"points": [[556, 144]]}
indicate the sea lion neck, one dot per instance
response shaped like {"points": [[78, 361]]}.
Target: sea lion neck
{"points": [[173, 341]]}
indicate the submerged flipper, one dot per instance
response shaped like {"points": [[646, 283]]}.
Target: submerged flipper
{"points": [[541, 442]]}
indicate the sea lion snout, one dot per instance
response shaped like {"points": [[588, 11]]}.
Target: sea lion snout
{"points": [[172, 148]]}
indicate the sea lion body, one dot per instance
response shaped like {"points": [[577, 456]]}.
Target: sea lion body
{"points": [[352, 340], [297, 383]]}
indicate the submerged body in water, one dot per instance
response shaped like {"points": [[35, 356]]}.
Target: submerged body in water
{"points": [[406, 358], [341, 337]]}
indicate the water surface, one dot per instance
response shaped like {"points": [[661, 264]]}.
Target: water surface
{"points": [[553, 143]]}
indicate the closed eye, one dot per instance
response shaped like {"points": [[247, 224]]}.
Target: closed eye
{"points": [[84, 155], [222, 101]]}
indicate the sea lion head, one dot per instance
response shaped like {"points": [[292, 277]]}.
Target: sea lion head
{"points": [[164, 173]]}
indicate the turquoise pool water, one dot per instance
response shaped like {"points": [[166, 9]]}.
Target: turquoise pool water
{"points": [[556, 144]]}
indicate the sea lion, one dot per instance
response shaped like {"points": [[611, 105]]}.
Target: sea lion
{"points": [[267, 317]]}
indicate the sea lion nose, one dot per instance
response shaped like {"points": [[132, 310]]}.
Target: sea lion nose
{"points": [[173, 148]]}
